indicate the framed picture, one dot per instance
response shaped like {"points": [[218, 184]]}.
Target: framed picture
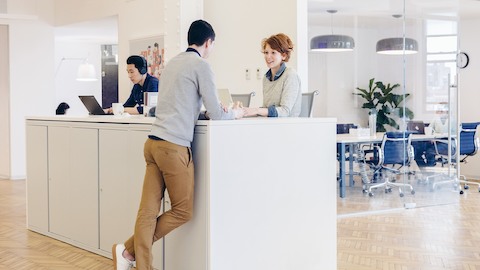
{"points": [[153, 50]]}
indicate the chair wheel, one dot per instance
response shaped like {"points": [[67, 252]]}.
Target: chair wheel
{"points": [[401, 194], [370, 194], [413, 192], [461, 192], [466, 187], [364, 191]]}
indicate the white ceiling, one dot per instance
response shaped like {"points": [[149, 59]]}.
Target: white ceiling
{"points": [[374, 10], [101, 31]]}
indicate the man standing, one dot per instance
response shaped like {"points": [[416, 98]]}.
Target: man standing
{"points": [[187, 81]]}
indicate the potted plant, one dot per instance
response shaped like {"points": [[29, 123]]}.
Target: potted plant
{"points": [[388, 105]]}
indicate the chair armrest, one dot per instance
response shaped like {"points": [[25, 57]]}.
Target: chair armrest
{"points": [[377, 149], [477, 144], [411, 153]]}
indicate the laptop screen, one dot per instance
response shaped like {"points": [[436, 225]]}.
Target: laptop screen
{"points": [[92, 105], [417, 127], [225, 97]]}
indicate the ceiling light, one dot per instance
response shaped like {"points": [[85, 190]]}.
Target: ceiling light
{"points": [[332, 43], [397, 45]]}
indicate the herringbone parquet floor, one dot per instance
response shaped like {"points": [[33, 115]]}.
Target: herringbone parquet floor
{"points": [[426, 238], [21, 249]]}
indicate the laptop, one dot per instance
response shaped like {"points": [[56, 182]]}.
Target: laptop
{"points": [[417, 127], [225, 97], [92, 105]]}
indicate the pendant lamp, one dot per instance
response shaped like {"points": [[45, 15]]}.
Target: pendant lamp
{"points": [[397, 45], [332, 43], [86, 72]]}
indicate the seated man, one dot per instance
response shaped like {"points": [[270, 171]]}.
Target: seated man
{"points": [[142, 82]]}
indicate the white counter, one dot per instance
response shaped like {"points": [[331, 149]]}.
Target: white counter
{"points": [[264, 190]]}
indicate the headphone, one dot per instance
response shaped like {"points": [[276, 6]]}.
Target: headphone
{"points": [[143, 69]]}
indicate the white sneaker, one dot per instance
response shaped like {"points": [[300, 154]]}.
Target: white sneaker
{"points": [[120, 262]]}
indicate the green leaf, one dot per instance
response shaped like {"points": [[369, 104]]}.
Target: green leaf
{"points": [[381, 97]]}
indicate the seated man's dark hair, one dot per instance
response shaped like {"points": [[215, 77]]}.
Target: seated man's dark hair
{"points": [[199, 32], [139, 62]]}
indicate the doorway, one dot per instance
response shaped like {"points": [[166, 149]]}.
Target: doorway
{"points": [[109, 75]]}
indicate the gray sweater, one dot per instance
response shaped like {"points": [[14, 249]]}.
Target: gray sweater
{"points": [[285, 94], [186, 81]]}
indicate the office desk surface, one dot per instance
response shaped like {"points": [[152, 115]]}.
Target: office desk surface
{"points": [[140, 119], [348, 138]]}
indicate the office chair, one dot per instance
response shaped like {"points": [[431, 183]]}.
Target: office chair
{"points": [[396, 151], [245, 99], [469, 144], [307, 103]]}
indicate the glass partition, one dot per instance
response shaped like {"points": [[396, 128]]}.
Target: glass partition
{"points": [[411, 92]]}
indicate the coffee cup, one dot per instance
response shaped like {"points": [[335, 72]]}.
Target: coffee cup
{"points": [[117, 108]]}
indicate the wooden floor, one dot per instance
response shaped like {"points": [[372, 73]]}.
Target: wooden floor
{"points": [[21, 249], [435, 237]]}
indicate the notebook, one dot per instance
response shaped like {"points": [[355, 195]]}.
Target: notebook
{"points": [[225, 97], [92, 105], [417, 127]]}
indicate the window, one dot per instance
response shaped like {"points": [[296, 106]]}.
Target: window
{"points": [[441, 55]]}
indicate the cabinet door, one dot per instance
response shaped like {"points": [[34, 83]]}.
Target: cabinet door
{"points": [[58, 188], [73, 185], [122, 169], [83, 189], [37, 178], [115, 219], [191, 239]]}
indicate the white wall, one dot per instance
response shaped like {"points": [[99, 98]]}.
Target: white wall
{"points": [[67, 88], [4, 104], [31, 85], [30, 73], [238, 40], [468, 85]]}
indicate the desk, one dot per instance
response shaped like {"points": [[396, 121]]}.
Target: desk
{"points": [[250, 212], [352, 140]]}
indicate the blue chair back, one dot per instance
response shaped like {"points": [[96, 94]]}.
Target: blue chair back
{"points": [[467, 138], [395, 147]]}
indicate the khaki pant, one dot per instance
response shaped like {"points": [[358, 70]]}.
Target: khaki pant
{"points": [[169, 166]]}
